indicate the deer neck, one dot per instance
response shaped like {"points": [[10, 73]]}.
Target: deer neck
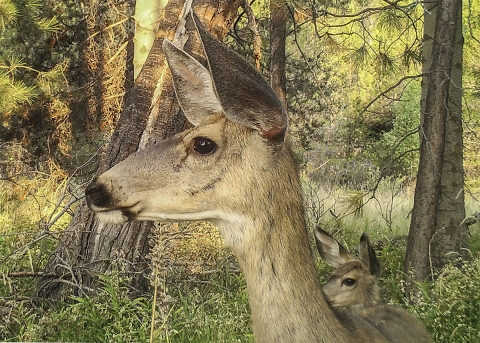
{"points": [[285, 296]]}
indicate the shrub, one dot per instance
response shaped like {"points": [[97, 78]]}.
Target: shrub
{"points": [[110, 316], [450, 307]]}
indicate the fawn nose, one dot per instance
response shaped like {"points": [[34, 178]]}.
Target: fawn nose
{"points": [[97, 195]]}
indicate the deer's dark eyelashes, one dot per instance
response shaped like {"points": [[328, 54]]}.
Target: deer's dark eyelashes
{"points": [[349, 282], [204, 146]]}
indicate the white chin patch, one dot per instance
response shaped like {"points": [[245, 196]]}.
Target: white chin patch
{"points": [[111, 217]]}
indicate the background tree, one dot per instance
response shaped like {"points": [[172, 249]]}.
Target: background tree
{"points": [[147, 15], [450, 240], [428, 190]]}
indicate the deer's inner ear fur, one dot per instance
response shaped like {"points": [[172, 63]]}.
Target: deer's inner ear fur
{"points": [[332, 252], [193, 85]]}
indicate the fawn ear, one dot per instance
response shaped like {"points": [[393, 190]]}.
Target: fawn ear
{"points": [[332, 252], [244, 95], [368, 256], [193, 84]]}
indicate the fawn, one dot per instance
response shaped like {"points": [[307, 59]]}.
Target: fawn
{"points": [[354, 282]]}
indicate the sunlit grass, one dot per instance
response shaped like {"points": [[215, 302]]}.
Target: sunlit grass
{"points": [[34, 209], [383, 214]]}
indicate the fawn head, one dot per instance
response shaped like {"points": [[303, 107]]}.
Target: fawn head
{"points": [[354, 282]]}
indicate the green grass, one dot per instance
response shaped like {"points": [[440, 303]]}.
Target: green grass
{"points": [[214, 308], [214, 312], [384, 214], [210, 308]]}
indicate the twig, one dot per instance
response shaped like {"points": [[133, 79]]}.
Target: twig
{"points": [[257, 39], [28, 274], [180, 38], [383, 93]]}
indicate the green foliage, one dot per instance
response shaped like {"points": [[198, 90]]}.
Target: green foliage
{"points": [[450, 307], [213, 308], [36, 54], [8, 14], [351, 98], [110, 316], [392, 20], [14, 94], [215, 312], [396, 151], [391, 253], [22, 76], [380, 142]]}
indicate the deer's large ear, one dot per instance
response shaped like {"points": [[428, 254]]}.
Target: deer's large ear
{"points": [[332, 252], [193, 84], [368, 256], [244, 94]]}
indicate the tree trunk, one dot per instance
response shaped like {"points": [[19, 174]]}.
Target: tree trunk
{"points": [[432, 133], [89, 248], [451, 239], [147, 19], [278, 34], [105, 56]]}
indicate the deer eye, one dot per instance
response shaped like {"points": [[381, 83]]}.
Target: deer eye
{"points": [[204, 146], [349, 282]]}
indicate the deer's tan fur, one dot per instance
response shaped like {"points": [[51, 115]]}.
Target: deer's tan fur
{"points": [[249, 187]]}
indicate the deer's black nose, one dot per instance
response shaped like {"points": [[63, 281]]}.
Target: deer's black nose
{"points": [[97, 195]]}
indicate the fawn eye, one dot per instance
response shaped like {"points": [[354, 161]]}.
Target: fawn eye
{"points": [[349, 282], [204, 146]]}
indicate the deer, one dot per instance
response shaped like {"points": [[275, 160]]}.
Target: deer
{"points": [[353, 283], [235, 169]]}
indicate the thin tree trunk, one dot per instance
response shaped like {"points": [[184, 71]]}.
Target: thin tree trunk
{"points": [[450, 240], [89, 248], [432, 146], [278, 34], [257, 39], [147, 14]]}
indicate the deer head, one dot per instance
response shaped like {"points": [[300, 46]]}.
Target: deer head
{"points": [[235, 169], [239, 125], [354, 282]]}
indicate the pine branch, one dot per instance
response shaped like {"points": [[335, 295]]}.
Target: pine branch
{"points": [[383, 93]]}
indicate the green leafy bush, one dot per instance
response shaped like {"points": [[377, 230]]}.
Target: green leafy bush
{"points": [[110, 316], [450, 307]]}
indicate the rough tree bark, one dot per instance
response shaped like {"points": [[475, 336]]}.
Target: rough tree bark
{"points": [[432, 146], [451, 238], [89, 248], [278, 34]]}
